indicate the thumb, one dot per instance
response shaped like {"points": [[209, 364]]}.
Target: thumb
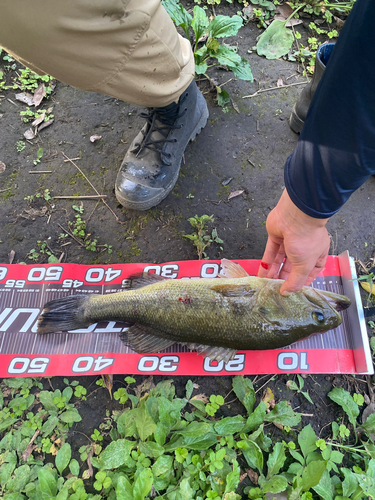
{"points": [[295, 281]]}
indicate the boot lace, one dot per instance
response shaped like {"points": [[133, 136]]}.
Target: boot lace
{"points": [[160, 120]]}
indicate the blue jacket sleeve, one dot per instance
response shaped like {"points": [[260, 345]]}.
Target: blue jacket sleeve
{"points": [[335, 153]]}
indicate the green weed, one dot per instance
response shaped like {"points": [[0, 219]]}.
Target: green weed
{"points": [[200, 238], [171, 448]]}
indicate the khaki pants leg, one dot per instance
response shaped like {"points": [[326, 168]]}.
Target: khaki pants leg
{"points": [[128, 49]]}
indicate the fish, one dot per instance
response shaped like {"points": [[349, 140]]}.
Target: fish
{"points": [[216, 317]]}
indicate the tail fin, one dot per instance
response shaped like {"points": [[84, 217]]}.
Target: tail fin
{"points": [[62, 315]]}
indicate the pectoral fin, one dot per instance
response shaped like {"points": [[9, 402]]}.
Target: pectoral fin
{"points": [[234, 290], [231, 269], [143, 339]]}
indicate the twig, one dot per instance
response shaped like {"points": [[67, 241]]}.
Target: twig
{"points": [[10, 100], [85, 197], [273, 88], [264, 384], [74, 159], [40, 171], [2, 190], [70, 234], [105, 203], [30, 446]]}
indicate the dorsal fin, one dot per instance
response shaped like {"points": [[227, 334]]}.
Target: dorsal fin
{"points": [[231, 269], [139, 280], [233, 290]]}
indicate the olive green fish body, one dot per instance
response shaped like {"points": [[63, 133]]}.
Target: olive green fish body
{"points": [[236, 313]]}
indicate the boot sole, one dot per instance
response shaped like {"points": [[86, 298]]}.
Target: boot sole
{"points": [[295, 123], [152, 203]]}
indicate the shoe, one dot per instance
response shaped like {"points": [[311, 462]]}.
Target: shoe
{"points": [[151, 165], [301, 107]]}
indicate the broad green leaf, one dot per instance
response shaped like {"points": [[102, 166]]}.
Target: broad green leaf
{"points": [[144, 423], [325, 487], [231, 495], [350, 483], [189, 389], [49, 425], [126, 423], [369, 425], [151, 449], [68, 391], [116, 453], [367, 484], [46, 398], [306, 440], [344, 399], [63, 494], [70, 416], [229, 425], [160, 433], [276, 461], [186, 491], [276, 41], [124, 490], [47, 483], [20, 478], [14, 496], [199, 23], [191, 443], [74, 467], [8, 422], [222, 26], [312, 473], [252, 453], [142, 485], [244, 390], [233, 478], [242, 70], [1, 394], [276, 484], [196, 429], [200, 69], [213, 46], [284, 415], [162, 465], [227, 56], [223, 98], [256, 418], [179, 15], [63, 457]]}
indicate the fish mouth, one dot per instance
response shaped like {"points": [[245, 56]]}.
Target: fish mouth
{"points": [[336, 301]]}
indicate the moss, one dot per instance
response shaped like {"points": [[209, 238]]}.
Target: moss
{"points": [[224, 191]]}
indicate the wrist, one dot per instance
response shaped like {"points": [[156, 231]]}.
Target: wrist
{"points": [[295, 218]]}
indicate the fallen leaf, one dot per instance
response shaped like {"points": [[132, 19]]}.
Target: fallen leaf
{"points": [[39, 120], [11, 256], [279, 426], [95, 137], [45, 124], [233, 194], [26, 98], [201, 397], [86, 474], [2, 167], [29, 134], [280, 82], [108, 382], [253, 476], [235, 106], [285, 10], [39, 94], [366, 286], [268, 398], [248, 12], [227, 181]]}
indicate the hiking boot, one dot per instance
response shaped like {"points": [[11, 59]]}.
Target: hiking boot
{"points": [[301, 107], [151, 166]]}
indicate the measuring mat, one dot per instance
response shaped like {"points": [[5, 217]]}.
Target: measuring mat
{"points": [[98, 349]]}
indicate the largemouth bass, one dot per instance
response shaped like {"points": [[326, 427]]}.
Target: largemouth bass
{"points": [[214, 316]]}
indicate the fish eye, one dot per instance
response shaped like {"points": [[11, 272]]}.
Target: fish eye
{"points": [[317, 316]]}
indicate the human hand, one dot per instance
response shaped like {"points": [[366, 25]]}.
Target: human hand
{"points": [[301, 240]]}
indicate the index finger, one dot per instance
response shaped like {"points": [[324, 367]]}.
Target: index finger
{"points": [[272, 258]]}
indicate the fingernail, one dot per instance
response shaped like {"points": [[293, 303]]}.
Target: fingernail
{"points": [[265, 265], [285, 293]]}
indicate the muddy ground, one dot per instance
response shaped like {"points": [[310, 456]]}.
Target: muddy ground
{"points": [[248, 143]]}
